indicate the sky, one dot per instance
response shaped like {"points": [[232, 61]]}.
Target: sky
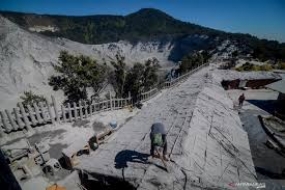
{"points": [[261, 18]]}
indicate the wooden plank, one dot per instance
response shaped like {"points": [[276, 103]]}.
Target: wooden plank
{"points": [[2, 132], [111, 101], [63, 113], [90, 110], [6, 124], [69, 112], [32, 116], [55, 109], [50, 114], [38, 116], [75, 110], [24, 116], [85, 108], [12, 120], [43, 111], [80, 110], [18, 118]]}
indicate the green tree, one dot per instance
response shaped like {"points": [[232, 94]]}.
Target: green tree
{"points": [[141, 77], [76, 74], [150, 74], [119, 75], [134, 80], [192, 61]]}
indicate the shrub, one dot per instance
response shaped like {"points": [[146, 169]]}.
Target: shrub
{"points": [[29, 98], [76, 74]]}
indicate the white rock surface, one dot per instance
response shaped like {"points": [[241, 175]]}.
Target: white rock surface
{"points": [[208, 146], [27, 59]]}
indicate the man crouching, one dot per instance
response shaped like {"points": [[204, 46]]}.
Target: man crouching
{"points": [[158, 141]]}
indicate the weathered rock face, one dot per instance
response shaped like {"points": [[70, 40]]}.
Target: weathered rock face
{"points": [[27, 59]]}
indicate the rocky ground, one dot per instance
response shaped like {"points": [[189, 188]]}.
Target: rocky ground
{"points": [[211, 145], [207, 144]]}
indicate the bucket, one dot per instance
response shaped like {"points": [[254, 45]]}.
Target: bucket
{"points": [[113, 124]]}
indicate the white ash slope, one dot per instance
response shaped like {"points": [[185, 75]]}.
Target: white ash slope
{"points": [[208, 145], [27, 59]]}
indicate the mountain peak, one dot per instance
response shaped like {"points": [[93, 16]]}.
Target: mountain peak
{"points": [[150, 12]]}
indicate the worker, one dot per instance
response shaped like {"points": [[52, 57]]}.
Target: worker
{"points": [[241, 100], [158, 139]]}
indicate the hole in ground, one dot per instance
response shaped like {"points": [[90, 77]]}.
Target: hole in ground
{"points": [[105, 183]]}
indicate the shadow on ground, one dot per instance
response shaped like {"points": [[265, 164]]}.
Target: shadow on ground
{"points": [[37, 138], [267, 105], [81, 123], [269, 174], [125, 156], [104, 182]]}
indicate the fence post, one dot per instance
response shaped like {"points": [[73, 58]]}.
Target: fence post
{"points": [[11, 119], [75, 111], [111, 101], [55, 109], [24, 115], [2, 134], [80, 110], [89, 106], [129, 93], [50, 114], [63, 113], [6, 124], [34, 121], [69, 112], [39, 119], [43, 113], [85, 108], [18, 118]]}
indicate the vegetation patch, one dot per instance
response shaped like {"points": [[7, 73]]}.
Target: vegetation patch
{"points": [[266, 67], [77, 73]]}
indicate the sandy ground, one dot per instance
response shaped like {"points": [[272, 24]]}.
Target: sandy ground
{"points": [[268, 163]]}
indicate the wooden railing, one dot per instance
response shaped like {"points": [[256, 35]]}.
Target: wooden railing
{"points": [[21, 118], [33, 115], [183, 77], [145, 96]]}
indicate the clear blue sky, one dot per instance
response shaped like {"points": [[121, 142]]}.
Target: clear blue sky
{"points": [[262, 18]]}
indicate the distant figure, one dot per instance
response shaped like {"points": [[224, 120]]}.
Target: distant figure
{"points": [[158, 139], [241, 100]]}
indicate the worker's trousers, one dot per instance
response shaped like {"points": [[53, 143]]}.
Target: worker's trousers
{"points": [[153, 146]]}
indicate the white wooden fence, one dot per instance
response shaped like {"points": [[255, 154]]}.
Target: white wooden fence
{"points": [[34, 115]]}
